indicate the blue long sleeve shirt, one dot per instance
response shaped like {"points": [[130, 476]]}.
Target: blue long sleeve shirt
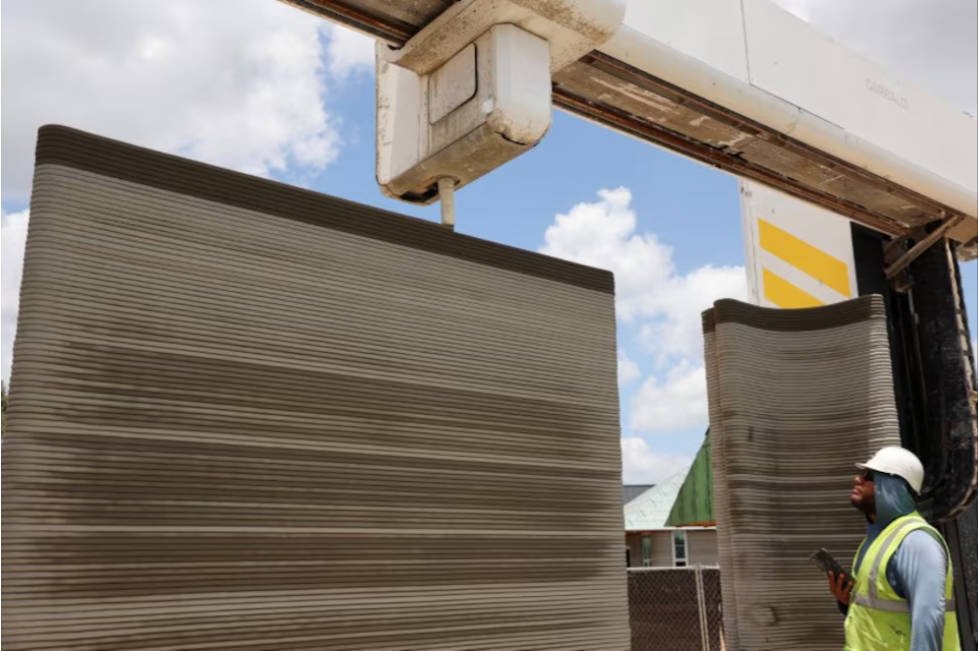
{"points": [[917, 571]]}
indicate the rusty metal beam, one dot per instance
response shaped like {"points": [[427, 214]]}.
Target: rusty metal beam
{"points": [[679, 95], [652, 132], [393, 31]]}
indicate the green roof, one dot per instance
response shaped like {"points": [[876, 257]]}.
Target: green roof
{"points": [[694, 502]]}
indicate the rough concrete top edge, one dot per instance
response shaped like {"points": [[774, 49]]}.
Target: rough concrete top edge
{"points": [[810, 318]]}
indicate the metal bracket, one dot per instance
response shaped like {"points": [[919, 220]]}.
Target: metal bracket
{"points": [[915, 251]]}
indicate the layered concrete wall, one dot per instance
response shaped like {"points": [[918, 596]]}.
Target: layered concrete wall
{"points": [[250, 415], [796, 398]]}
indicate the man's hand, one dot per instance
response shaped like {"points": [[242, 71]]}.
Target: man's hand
{"points": [[840, 586]]}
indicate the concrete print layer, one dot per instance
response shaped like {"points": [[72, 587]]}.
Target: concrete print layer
{"points": [[796, 398], [235, 429]]}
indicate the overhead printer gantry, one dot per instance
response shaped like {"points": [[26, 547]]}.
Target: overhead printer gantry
{"points": [[746, 87]]}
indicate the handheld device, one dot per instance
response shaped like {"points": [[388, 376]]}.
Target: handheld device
{"points": [[828, 564]]}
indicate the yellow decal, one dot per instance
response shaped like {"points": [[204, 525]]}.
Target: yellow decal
{"points": [[785, 294], [813, 261]]}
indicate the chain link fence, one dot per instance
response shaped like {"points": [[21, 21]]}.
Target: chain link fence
{"points": [[675, 609]]}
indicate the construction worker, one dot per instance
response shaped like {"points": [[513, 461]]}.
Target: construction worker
{"points": [[901, 595]]}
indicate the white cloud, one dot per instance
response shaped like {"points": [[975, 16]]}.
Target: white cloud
{"points": [[648, 288], [237, 83], [14, 235], [628, 370], [675, 402], [602, 234], [349, 52], [662, 305], [642, 465], [681, 301]]}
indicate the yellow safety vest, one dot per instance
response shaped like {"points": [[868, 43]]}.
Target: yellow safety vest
{"points": [[879, 618]]}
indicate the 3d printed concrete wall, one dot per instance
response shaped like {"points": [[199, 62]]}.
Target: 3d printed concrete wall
{"points": [[248, 415], [796, 398]]}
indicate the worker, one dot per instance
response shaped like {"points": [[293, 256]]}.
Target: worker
{"points": [[901, 596]]}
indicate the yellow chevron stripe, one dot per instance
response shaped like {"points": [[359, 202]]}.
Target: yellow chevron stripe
{"points": [[813, 261], [785, 294]]}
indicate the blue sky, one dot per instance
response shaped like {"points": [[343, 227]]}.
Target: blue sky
{"points": [[670, 227]]}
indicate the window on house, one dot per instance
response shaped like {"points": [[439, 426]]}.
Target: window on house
{"points": [[679, 548], [628, 557], [646, 551]]}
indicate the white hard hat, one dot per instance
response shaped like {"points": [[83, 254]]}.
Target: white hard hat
{"points": [[894, 460]]}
